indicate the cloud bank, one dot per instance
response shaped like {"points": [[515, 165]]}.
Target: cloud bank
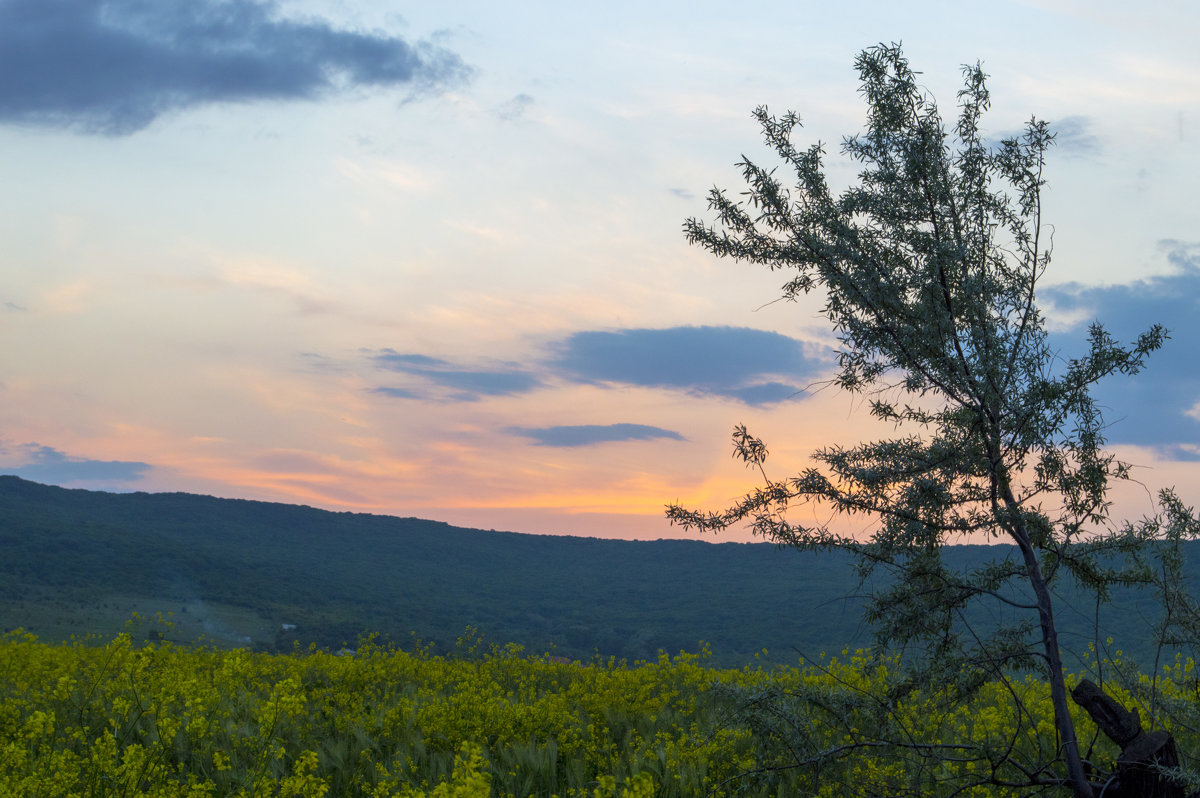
{"points": [[754, 367], [52, 467], [114, 66], [739, 363], [590, 434], [1160, 407]]}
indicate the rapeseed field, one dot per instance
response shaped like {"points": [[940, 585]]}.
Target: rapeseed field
{"points": [[157, 719]]}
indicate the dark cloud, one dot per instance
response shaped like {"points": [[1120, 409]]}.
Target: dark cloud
{"points": [[1150, 408], [114, 66], [589, 434], [732, 362], [682, 193], [468, 384], [50, 466]]}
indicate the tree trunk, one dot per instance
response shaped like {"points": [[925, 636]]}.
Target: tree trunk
{"points": [[1136, 776], [1076, 776]]}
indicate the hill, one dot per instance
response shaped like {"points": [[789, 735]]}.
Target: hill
{"points": [[270, 575]]}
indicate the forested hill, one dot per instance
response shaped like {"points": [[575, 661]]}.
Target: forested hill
{"points": [[77, 562]]}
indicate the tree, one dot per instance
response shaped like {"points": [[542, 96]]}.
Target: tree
{"points": [[930, 266]]}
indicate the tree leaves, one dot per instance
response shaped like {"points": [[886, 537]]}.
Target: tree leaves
{"points": [[929, 266]]}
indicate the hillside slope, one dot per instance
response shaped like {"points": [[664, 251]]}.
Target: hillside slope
{"points": [[77, 562]]}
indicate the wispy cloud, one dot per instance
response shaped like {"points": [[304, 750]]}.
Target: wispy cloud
{"points": [[278, 279], [320, 364], [398, 175], [48, 465], [1073, 136], [1154, 408], [748, 365], [515, 108], [114, 66], [590, 434], [467, 384], [397, 393]]}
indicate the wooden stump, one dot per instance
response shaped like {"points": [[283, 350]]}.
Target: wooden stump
{"points": [[1140, 751]]}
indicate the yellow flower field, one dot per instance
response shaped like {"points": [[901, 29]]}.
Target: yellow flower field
{"points": [[162, 720]]}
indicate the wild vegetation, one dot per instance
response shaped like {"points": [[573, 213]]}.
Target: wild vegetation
{"points": [[115, 718], [234, 572]]}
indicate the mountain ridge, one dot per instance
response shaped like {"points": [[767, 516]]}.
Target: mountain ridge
{"points": [[273, 575]]}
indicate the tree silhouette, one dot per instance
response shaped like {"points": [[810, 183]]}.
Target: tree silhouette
{"points": [[929, 266]]}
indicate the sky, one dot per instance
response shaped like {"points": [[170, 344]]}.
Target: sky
{"points": [[426, 259]]}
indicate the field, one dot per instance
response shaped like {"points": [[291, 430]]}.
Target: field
{"points": [[60, 615], [116, 718]]}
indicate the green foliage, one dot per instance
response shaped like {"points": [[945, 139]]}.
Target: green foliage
{"points": [[172, 721], [929, 267], [165, 720], [80, 562]]}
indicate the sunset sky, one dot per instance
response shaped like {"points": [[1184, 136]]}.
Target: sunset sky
{"points": [[426, 260]]}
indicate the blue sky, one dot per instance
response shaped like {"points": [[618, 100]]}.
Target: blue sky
{"points": [[427, 259]]}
